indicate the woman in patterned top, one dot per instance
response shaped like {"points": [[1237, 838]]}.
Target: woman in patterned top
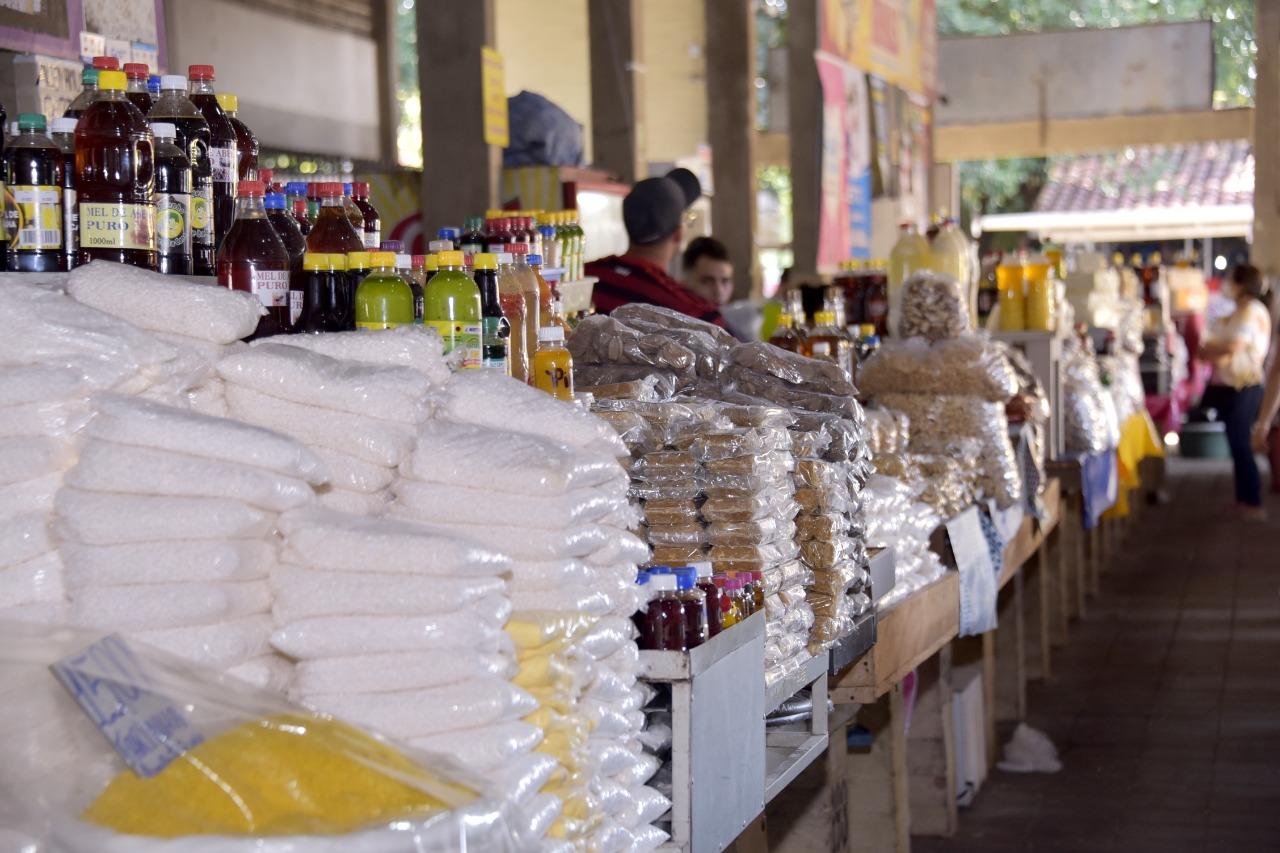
{"points": [[1237, 349]]}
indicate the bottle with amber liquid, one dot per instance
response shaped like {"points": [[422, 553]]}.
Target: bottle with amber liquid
{"points": [[827, 341], [785, 336], [33, 168], [332, 231], [253, 259], [223, 148], [174, 107], [246, 141], [173, 201], [138, 73], [115, 179]]}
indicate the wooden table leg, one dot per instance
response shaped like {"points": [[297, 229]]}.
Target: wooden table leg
{"points": [[1095, 558], [1039, 594], [1062, 558], [1011, 656], [932, 759], [879, 802]]}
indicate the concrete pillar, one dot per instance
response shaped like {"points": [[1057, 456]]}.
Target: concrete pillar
{"points": [[460, 174], [731, 130], [615, 35], [384, 36], [805, 118], [1266, 130]]}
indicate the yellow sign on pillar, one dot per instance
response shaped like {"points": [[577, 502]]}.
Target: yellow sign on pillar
{"points": [[494, 88]]}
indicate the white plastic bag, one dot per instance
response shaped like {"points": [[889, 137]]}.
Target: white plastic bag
{"points": [[355, 503], [38, 579], [37, 383], [149, 607], [302, 593], [99, 518], [166, 562], [476, 627], [353, 473], [31, 457], [430, 710], [417, 347], [379, 673], [59, 418], [23, 537], [453, 504], [484, 747]]}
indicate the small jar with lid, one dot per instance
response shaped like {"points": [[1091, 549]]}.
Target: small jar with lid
{"points": [[695, 607], [712, 592], [664, 620]]}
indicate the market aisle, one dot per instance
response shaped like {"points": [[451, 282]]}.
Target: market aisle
{"points": [[1166, 704]]}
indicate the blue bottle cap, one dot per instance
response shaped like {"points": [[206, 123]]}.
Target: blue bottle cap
{"points": [[153, 84], [448, 234], [273, 201], [642, 578], [346, 189], [686, 578], [659, 570], [534, 260], [296, 188], [547, 230]]}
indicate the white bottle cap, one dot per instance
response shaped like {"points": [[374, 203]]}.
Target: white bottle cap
{"points": [[404, 262], [64, 125], [440, 246], [164, 130], [551, 334], [173, 81], [662, 583], [703, 569], [504, 259]]}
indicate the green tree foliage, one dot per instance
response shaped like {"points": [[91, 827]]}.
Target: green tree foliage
{"points": [[1000, 186]]}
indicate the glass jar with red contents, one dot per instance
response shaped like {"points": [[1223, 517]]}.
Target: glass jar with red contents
{"points": [[695, 607], [712, 592], [664, 619]]}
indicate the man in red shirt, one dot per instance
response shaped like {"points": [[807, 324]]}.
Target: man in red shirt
{"points": [[653, 213]]}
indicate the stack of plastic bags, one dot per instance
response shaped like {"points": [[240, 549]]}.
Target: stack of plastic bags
{"points": [[1089, 420], [786, 379], [544, 487], [202, 322], [360, 418], [896, 519], [954, 385], [166, 528]]}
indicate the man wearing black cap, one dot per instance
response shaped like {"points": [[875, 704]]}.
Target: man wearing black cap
{"points": [[653, 213]]}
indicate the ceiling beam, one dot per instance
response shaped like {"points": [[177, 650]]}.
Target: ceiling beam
{"points": [[955, 143]]}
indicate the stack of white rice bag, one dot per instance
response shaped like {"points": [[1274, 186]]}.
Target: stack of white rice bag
{"points": [[360, 418], [201, 322], [166, 528], [554, 498]]}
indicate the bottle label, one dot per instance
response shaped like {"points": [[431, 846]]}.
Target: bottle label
{"points": [[463, 337], [296, 300], [70, 221], [272, 287], [201, 217], [553, 376], [39, 218], [373, 239], [113, 225], [173, 213], [223, 161], [361, 324]]}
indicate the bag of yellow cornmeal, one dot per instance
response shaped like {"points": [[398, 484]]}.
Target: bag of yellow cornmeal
{"points": [[285, 775]]}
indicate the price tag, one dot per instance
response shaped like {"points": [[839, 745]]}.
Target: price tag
{"points": [[111, 685], [1007, 521]]}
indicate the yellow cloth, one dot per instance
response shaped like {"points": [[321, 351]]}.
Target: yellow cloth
{"points": [[278, 776], [1139, 440]]}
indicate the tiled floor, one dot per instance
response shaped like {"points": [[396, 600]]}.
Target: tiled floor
{"points": [[1165, 706]]}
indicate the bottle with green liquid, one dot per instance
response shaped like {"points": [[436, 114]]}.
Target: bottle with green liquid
{"points": [[383, 299], [453, 309]]}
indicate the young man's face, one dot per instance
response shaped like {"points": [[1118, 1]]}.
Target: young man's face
{"points": [[711, 279]]}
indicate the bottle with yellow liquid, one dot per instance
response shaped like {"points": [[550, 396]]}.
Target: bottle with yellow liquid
{"points": [[1010, 281], [1039, 278], [553, 364]]}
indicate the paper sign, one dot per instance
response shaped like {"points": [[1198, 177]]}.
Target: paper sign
{"points": [[110, 683], [494, 91], [91, 45], [977, 577], [1007, 521]]}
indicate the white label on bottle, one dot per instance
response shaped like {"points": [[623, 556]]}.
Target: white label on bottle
{"points": [[70, 221], [272, 287], [223, 161], [295, 305], [373, 239]]}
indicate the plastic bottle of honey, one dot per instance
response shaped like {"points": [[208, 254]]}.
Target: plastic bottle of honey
{"points": [[246, 141], [369, 214], [88, 94], [173, 201], [173, 106], [294, 243], [553, 364], [513, 308], [694, 599], [115, 178], [712, 593], [354, 215], [664, 624], [33, 167], [383, 299], [64, 136], [253, 259], [332, 231], [829, 342], [136, 89], [223, 152], [296, 198]]}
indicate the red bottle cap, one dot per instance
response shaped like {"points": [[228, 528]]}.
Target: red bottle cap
{"points": [[419, 261], [106, 63], [137, 70], [246, 189], [360, 188], [266, 175], [328, 189], [300, 206], [200, 72], [518, 248]]}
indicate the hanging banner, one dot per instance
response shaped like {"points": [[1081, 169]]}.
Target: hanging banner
{"points": [[494, 89], [844, 221], [893, 39]]}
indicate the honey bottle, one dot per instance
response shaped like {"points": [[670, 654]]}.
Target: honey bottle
{"points": [[33, 165], [253, 259], [223, 149], [115, 178]]}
